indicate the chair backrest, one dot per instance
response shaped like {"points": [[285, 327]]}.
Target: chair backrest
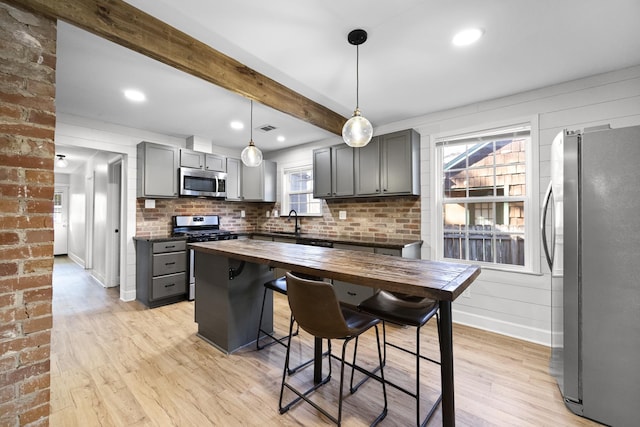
{"points": [[315, 307]]}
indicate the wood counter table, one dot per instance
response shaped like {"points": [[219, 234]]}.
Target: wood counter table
{"points": [[221, 276]]}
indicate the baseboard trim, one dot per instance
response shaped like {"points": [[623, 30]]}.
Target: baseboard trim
{"points": [[514, 330], [128, 296]]}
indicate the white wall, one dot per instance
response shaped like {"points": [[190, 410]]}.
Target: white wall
{"points": [[80, 132], [511, 303]]}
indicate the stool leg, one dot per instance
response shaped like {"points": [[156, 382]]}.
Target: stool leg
{"points": [[264, 297]]}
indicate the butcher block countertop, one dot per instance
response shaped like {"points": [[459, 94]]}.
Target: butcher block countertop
{"points": [[437, 280]]}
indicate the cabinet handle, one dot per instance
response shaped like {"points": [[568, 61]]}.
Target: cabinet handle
{"points": [[170, 246], [169, 263], [170, 285], [353, 294]]}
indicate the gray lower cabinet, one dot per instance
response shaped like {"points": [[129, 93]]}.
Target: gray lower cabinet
{"points": [[259, 183], [161, 271], [333, 172], [157, 170]]}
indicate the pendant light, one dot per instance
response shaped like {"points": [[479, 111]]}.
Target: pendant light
{"points": [[61, 162], [357, 131], [251, 155]]}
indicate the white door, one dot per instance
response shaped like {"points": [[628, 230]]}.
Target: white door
{"points": [[114, 222], [60, 220]]}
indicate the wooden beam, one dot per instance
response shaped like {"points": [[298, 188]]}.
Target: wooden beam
{"points": [[132, 28]]}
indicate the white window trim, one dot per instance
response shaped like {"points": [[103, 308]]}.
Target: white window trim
{"points": [[284, 201], [532, 208]]}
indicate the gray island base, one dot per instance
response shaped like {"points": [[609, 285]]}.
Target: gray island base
{"points": [[227, 308]]}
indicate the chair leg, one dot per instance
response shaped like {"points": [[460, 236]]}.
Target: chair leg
{"points": [[418, 356], [300, 395], [274, 339]]}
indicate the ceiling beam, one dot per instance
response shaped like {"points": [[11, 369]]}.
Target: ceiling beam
{"points": [[132, 28]]}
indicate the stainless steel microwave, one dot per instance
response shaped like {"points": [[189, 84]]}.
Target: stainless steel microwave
{"points": [[202, 183]]}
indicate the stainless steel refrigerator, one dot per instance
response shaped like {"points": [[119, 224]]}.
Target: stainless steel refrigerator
{"points": [[591, 236]]}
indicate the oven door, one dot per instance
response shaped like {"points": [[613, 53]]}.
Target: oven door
{"points": [[202, 183]]}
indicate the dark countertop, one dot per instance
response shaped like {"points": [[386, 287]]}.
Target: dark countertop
{"points": [[158, 238], [345, 239]]}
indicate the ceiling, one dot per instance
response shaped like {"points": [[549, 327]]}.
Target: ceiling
{"points": [[408, 66]]}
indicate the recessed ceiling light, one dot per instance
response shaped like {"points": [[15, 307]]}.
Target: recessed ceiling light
{"points": [[467, 37], [134, 95], [237, 125], [281, 138]]}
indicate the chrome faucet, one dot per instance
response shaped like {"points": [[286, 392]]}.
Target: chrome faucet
{"points": [[297, 227]]}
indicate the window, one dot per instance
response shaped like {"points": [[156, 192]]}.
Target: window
{"points": [[484, 197], [298, 192]]}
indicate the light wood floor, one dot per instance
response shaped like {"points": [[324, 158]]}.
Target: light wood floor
{"points": [[120, 364]]}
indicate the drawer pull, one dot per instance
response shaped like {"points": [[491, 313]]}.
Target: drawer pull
{"points": [[170, 246], [170, 285], [353, 294], [169, 263]]}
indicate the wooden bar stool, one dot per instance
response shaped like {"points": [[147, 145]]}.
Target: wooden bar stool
{"points": [[403, 310], [316, 309]]}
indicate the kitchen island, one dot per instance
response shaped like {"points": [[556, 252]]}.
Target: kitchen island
{"points": [[230, 274]]}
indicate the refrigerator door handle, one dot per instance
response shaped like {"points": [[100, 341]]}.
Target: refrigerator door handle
{"points": [[543, 226]]}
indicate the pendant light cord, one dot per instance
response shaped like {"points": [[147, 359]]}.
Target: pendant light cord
{"points": [[251, 123], [357, 77]]}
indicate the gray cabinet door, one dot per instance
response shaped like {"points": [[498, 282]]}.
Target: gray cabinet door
{"points": [[157, 170], [322, 173], [191, 159], [234, 181], [342, 170], [214, 162], [367, 168], [397, 168]]}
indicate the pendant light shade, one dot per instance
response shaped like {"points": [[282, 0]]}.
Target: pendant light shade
{"points": [[251, 155], [357, 131]]}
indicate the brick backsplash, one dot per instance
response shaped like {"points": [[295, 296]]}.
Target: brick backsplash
{"points": [[392, 217]]}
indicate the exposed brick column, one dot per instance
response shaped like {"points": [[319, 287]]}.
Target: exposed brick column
{"points": [[27, 122]]}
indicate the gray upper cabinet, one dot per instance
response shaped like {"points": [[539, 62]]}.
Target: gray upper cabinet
{"points": [[205, 161], [333, 173], [389, 165], [259, 183], [234, 179], [157, 170]]}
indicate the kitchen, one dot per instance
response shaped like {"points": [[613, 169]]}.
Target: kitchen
{"points": [[525, 313]]}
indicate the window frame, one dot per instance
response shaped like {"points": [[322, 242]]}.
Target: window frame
{"points": [[284, 202], [531, 198]]}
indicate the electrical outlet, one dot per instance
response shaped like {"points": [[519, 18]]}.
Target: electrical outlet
{"points": [[242, 214], [267, 214], [275, 213], [342, 214]]}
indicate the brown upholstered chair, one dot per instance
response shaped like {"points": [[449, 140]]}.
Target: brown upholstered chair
{"points": [[315, 307], [404, 310]]}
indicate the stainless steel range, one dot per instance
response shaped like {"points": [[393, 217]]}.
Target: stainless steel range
{"points": [[198, 228]]}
